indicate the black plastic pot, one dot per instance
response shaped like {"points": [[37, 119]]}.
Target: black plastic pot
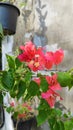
{"points": [[2, 117], [8, 17], [25, 125]]}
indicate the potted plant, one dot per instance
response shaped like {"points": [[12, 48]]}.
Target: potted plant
{"points": [[22, 114], [8, 17], [29, 76]]}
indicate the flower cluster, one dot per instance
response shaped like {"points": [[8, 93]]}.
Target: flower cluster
{"points": [[28, 77], [37, 59], [21, 110], [51, 95]]}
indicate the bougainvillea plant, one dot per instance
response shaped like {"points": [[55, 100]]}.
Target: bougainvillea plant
{"points": [[30, 75], [21, 110]]}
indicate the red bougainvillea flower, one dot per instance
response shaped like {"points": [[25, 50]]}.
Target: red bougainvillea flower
{"points": [[37, 63], [58, 56], [41, 55], [12, 104], [27, 106], [37, 80], [34, 65], [49, 60], [53, 83], [22, 47], [23, 115], [30, 49], [50, 96], [23, 57], [28, 53]]}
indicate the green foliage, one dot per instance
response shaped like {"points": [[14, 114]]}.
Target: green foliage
{"points": [[10, 61], [21, 89], [42, 117], [1, 32], [59, 125], [33, 89], [69, 124], [44, 112], [65, 79], [1, 98], [8, 80], [18, 63], [44, 84], [28, 76], [9, 109], [53, 116], [56, 119], [18, 80]]}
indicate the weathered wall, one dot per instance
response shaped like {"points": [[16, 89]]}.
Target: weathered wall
{"points": [[49, 22]]}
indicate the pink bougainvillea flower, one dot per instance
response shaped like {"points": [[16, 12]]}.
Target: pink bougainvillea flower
{"points": [[40, 55], [51, 101], [34, 66], [27, 106], [12, 104], [37, 80], [48, 60], [37, 63], [22, 47], [50, 96], [23, 57], [48, 63], [49, 55], [23, 115], [30, 49], [58, 56], [28, 53], [53, 83]]}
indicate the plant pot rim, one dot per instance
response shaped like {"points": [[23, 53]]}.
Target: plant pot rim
{"points": [[9, 4]]}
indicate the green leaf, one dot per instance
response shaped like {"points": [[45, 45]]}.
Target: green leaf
{"points": [[44, 85], [61, 125], [42, 117], [51, 122], [68, 125], [33, 89], [11, 61], [1, 98], [1, 84], [28, 76], [58, 112], [64, 78], [21, 89], [15, 115], [1, 32], [9, 109], [56, 126], [8, 80], [43, 105], [44, 112], [18, 63]]}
